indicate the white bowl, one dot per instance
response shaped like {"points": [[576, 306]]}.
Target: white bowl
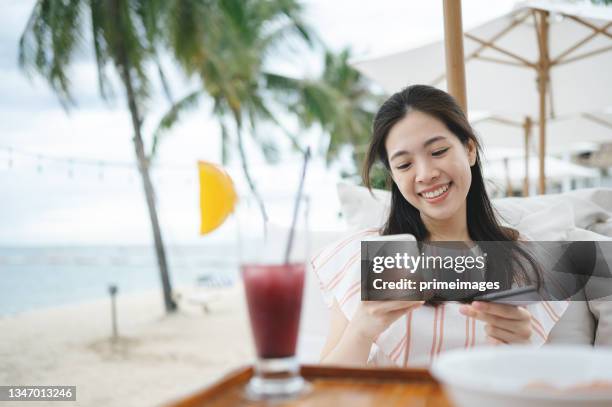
{"points": [[509, 376]]}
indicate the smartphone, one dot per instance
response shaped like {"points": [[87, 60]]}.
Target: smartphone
{"points": [[514, 296]]}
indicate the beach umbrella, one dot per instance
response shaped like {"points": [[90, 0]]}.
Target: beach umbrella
{"points": [[510, 170], [543, 59], [561, 135]]}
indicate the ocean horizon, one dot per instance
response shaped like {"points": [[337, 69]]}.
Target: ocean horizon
{"points": [[36, 277]]}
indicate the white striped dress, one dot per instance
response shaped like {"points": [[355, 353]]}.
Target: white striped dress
{"points": [[417, 338]]}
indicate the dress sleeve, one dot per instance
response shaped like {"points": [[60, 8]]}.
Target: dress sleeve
{"points": [[338, 271]]}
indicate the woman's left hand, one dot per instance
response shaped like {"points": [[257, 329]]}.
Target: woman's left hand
{"points": [[504, 323]]}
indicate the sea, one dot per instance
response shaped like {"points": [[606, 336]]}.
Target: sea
{"points": [[39, 277]]}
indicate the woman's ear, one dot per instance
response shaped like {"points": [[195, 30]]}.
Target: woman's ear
{"points": [[471, 150]]}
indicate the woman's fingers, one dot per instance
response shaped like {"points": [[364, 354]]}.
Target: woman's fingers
{"points": [[373, 317], [490, 318], [504, 335], [495, 311], [493, 341], [484, 317], [516, 329], [501, 310]]}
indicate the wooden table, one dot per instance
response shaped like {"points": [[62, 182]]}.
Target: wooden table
{"points": [[333, 386]]}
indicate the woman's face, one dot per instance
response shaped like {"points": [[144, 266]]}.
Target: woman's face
{"points": [[430, 165]]}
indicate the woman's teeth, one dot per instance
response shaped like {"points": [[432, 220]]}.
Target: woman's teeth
{"points": [[436, 193]]}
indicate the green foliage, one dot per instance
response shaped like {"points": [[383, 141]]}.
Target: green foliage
{"points": [[226, 44], [50, 42], [123, 33], [339, 101]]}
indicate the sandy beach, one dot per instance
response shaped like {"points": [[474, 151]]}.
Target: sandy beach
{"points": [[157, 358]]}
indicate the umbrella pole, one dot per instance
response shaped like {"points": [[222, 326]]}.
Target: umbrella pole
{"points": [[543, 78], [527, 127], [509, 189], [453, 44]]}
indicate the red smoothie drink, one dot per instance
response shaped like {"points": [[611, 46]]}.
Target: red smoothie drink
{"points": [[274, 297]]}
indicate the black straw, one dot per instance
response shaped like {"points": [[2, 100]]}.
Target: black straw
{"points": [[296, 208]]}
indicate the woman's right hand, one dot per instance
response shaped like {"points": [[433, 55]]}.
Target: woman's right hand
{"points": [[373, 317]]}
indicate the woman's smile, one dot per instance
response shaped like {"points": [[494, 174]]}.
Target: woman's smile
{"points": [[436, 194]]}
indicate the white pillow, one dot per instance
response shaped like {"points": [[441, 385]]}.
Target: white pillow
{"points": [[578, 234], [540, 221], [590, 207], [576, 325], [602, 310], [362, 210], [552, 223], [603, 228]]}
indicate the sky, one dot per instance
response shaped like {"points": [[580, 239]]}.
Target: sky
{"points": [[46, 202]]}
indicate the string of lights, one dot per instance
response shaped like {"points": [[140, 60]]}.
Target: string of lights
{"points": [[72, 161], [88, 168]]}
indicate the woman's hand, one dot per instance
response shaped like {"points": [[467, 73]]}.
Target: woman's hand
{"points": [[374, 317], [504, 323]]}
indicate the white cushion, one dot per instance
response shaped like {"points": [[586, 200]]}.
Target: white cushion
{"points": [[551, 223], [603, 228], [578, 234], [602, 310], [585, 322], [362, 210], [601, 304], [592, 208], [576, 326]]}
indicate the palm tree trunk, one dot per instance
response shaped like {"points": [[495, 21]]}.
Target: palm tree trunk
{"points": [[143, 167]]}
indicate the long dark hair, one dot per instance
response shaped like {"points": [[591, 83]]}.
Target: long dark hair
{"points": [[482, 222]]}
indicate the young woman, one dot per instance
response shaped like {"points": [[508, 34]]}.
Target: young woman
{"points": [[430, 152]]}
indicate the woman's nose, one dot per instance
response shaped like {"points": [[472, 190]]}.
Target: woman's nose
{"points": [[426, 172]]}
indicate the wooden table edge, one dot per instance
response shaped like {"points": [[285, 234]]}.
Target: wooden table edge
{"points": [[243, 373]]}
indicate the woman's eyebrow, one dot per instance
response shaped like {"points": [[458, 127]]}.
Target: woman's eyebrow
{"points": [[425, 144]]}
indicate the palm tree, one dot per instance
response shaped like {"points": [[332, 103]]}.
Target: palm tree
{"points": [[124, 34], [227, 44], [340, 101]]}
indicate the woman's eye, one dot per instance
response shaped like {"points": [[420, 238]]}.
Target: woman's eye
{"points": [[440, 152], [403, 166]]}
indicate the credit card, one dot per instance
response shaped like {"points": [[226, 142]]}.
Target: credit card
{"points": [[514, 296]]}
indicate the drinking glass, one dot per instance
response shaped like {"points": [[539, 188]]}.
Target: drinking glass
{"points": [[273, 284]]}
